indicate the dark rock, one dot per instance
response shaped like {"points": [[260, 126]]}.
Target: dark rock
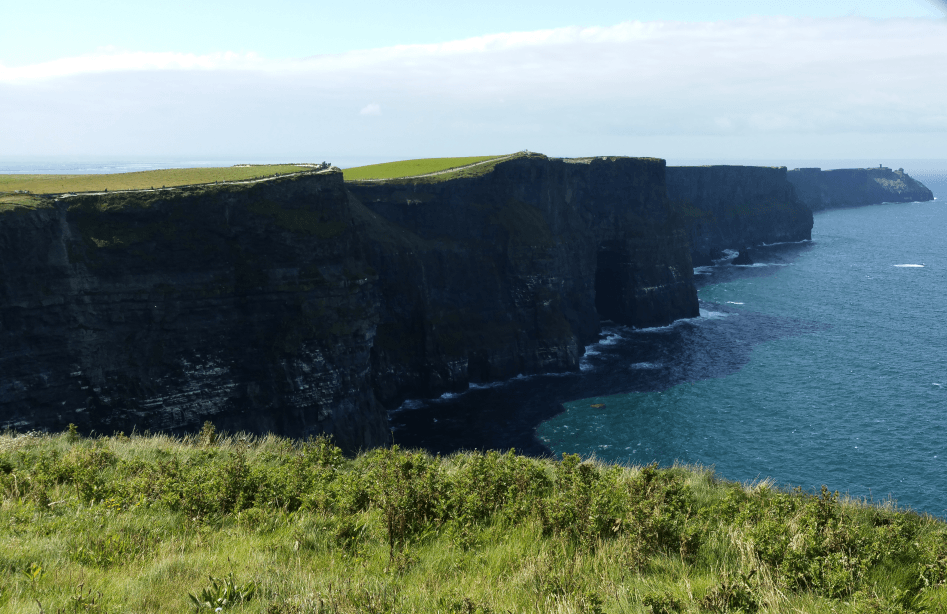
{"points": [[301, 305], [743, 257], [728, 207], [855, 187], [251, 306], [511, 272]]}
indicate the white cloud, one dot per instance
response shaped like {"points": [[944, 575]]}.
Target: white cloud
{"points": [[568, 90]]}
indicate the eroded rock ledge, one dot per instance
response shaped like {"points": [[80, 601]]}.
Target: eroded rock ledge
{"points": [[304, 305]]}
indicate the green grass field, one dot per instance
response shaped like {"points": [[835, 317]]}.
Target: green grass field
{"points": [[58, 184], [410, 168], [9, 202], [274, 526]]}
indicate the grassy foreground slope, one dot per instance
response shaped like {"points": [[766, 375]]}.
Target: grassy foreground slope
{"points": [[269, 525], [411, 168], [144, 180]]}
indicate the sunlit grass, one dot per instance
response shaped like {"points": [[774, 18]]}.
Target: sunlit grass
{"points": [[137, 524], [143, 180], [410, 168]]}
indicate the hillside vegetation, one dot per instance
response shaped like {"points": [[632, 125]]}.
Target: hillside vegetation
{"points": [[144, 180], [411, 168], [9, 202], [271, 525]]}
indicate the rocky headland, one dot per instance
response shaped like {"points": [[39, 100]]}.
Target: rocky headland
{"points": [[736, 207], [856, 187], [306, 305]]}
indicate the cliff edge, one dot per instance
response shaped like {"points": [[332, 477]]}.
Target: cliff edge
{"points": [[856, 187]]}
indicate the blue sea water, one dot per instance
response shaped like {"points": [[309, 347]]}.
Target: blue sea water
{"points": [[854, 398]]}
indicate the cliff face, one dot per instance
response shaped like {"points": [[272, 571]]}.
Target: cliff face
{"points": [[511, 272], [731, 207], [252, 306], [855, 187], [302, 305]]}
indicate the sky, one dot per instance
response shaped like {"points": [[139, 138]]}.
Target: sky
{"points": [[366, 81]]}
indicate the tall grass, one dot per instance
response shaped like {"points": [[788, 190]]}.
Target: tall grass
{"points": [[267, 524]]}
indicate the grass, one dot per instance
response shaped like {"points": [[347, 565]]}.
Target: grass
{"points": [[58, 184], [410, 168], [11, 202], [271, 525]]}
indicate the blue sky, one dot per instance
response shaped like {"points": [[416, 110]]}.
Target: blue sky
{"points": [[381, 80]]}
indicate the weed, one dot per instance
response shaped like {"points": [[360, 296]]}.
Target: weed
{"points": [[663, 603], [86, 601], [732, 595], [33, 573], [223, 594], [72, 434], [208, 435]]}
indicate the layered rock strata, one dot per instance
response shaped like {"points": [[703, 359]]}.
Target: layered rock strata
{"points": [[304, 305], [735, 207], [855, 187], [510, 272]]}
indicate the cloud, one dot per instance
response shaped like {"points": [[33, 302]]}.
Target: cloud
{"points": [[940, 5], [755, 81]]}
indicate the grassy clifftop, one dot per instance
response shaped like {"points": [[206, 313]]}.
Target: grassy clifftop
{"points": [[445, 167], [156, 524], [144, 180]]}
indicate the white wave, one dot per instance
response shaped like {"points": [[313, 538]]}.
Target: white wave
{"points": [[411, 404], [757, 265], [733, 303], [729, 254], [645, 365], [448, 396], [476, 386], [713, 315], [585, 365], [702, 270], [611, 339], [936, 384], [657, 329], [786, 243], [910, 266]]}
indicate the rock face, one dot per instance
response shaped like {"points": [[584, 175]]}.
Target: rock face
{"points": [[734, 207], [511, 272], [303, 305], [855, 187], [252, 306]]}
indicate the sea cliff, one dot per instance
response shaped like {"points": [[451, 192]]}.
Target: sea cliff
{"points": [[305, 305], [855, 187], [735, 207]]}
